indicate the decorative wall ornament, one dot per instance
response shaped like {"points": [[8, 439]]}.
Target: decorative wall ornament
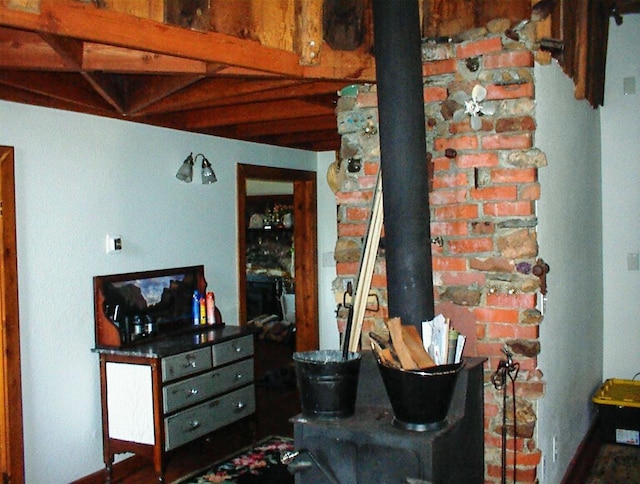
{"points": [[475, 109]]}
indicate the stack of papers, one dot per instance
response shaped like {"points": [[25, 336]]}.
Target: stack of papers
{"points": [[443, 343]]}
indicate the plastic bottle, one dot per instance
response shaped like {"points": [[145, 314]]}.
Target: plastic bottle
{"points": [[203, 310], [211, 308], [195, 308]]}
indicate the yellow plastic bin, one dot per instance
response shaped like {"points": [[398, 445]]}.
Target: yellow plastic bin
{"points": [[619, 411]]}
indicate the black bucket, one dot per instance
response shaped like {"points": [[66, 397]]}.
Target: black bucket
{"points": [[420, 399], [328, 384]]}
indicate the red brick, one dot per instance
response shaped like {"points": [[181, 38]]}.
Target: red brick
{"points": [[379, 280], [497, 315], [463, 278], [437, 67], [491, 349], [506, 142], [514, 175], [515, 58], [521, 301], [530, 192], [456, 212], [449, 264], [457, 143], [449, 228], [501, 331], [450, 180], [519, 123], [464, 126], [354, 197], [477, 159], [347, 268], [447, 197], [510, 91], [511, 209], [358, 214], [495, 193], [370, 168], [352, 230], [478, 47], [475, 245], [441, 163], [527, 332], [434, 93]]}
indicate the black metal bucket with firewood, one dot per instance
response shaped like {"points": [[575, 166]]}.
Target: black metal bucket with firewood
{"points": [[420, 399]]}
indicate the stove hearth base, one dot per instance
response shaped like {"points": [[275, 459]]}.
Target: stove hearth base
{"points": [[370, 448]]}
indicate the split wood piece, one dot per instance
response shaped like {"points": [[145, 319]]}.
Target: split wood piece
{"points": [[384, 355], [413, 340], [385, 345], [367, 264], [395, 330]]}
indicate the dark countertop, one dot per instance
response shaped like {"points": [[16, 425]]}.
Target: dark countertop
{"points": [[172, 344]]}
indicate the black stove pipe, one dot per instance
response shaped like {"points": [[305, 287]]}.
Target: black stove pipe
{"points": [[403, 158]]}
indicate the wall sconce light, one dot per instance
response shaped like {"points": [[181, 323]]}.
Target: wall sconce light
{"points": [[185, 172]]}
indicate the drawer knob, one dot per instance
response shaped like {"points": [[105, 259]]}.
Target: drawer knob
{"points": [[240, 405], [238, 376], [238, 349], [193, 391], [194, 424]]}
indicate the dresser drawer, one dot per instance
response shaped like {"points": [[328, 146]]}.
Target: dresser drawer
{"points": [[185, 364], [232, 350], [199, 388], [202, 419]]}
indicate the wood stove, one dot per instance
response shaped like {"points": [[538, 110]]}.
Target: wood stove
{"points": [[369, 448]]}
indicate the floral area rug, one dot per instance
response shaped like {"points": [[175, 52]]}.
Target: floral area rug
{"points": [[616, 464], [257, 464]]}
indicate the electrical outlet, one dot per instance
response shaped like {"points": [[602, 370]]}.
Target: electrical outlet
{"points": [[554, 448], [113, 243]]}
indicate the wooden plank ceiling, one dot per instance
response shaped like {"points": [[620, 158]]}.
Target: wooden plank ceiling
{"points": [[267, 71]]}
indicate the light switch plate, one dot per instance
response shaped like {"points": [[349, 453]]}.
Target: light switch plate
{"points": [[113, 244]]}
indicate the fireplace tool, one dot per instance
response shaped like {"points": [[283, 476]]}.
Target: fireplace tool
{"points": [[294, 464], [507, 368]]}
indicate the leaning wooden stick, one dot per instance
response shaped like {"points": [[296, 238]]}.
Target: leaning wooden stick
{"points": [[367, 264]]}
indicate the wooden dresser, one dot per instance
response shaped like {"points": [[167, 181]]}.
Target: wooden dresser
{"points": [[165, 378], [161, 395]]}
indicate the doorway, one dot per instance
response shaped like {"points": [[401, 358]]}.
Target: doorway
{"points": [[11, 436], [304, 243]]}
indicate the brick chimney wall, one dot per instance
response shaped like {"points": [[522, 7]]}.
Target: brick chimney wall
{"points": [[483, 190]]}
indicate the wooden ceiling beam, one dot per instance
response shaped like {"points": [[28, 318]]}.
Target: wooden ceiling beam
{"points": [[84, 21], [281, 126], [212, 92], [144, 91], [197, 119], [72, 53], [69, 89], [286, 90]]}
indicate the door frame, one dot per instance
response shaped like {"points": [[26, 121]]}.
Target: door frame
{"points": [[305, 237], [11, 434]]}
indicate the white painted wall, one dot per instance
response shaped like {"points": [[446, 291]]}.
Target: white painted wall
{"points": [[327, 237], [570, 241], [621, 201], [79, 178]]}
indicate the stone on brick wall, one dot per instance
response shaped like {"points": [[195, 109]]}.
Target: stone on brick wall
{"points": [[531, 316], [521, 244], [347, 250], [533, 158], [528, 348], [492, 264], [462, 296]]}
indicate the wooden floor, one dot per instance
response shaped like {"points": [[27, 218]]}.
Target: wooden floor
{"points": [[276, 403]]}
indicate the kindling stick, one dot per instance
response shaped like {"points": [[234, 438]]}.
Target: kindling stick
{"points": [[367, 265]]}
